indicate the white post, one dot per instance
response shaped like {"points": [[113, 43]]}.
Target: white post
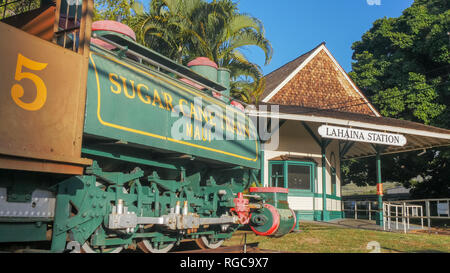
{"points": [[389, 216], [407, 216], [356, 210], [396, 217], [437, 205], [403, 217], [421, 216], [427, 204]]}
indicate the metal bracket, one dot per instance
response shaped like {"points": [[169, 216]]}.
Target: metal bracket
{"points": [[122, 52], [171, 185], [116, 178]]}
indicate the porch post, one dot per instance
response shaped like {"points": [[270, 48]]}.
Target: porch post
{"points": [[323, 143], [323, 146], [379, 218]]}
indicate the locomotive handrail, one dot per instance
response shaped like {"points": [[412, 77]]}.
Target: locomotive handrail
{"points": [[158, 60], [162, 62]]}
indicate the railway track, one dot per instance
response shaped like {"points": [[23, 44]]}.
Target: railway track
{"points": [[245, 248]]}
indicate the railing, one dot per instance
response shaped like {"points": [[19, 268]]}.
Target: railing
{"points": [[67, 24], [403, 212], [159, 62], [414, 209], [360, 209], [71, 25], [397, 215]]}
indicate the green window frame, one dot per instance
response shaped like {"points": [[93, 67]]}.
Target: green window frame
{"points": [[282, 179], [333, 181], [277, 174]]}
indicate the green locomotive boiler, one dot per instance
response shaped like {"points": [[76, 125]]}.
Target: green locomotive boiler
{"points": [[107, 145]]}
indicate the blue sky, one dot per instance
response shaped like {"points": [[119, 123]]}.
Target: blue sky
{"points": [[296, 26]]}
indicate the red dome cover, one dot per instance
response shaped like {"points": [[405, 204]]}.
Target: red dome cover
{"points": [[114, 26], [238, 105], [202, 61]]}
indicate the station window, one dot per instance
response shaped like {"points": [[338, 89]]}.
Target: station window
{"points": [[333, 181], [277, 175], [296, 175], [299, 177]]}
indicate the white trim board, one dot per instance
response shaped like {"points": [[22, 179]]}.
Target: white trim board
{"points": [[349, 123]]}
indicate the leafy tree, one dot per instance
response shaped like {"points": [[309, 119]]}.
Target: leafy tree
{"points": [[12, 8], [186, 29], [403, 65], [115, 10]]}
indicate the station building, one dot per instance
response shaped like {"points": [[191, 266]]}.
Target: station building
{"points": [[323, 119]]}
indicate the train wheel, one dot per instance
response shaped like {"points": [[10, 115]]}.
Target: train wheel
{"points": [[86, 248], [204, 242], [147, 247]]}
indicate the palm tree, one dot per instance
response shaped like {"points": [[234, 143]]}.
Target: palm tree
{"points": [[186, 29]]}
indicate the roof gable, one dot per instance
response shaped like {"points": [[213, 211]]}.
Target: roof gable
{"points": [[316, 80]]}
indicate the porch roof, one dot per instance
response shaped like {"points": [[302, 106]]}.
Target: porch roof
{"points": [[418, 136]]}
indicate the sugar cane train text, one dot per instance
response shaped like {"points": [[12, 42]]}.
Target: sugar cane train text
{"points": [[198, 121]]}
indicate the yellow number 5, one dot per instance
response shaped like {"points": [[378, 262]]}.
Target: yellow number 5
{"points": [[17, 89]]}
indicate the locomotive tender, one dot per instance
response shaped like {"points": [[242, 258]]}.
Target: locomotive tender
{"points": [[109, 145]]}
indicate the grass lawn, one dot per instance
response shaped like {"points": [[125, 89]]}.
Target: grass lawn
{"points": [[319, 238]]}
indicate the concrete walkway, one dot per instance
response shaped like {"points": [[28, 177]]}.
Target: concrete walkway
{"points": [[364, 224]]}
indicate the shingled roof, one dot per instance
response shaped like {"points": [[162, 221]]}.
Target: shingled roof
{"points": [[316, 80], [277, 76]]}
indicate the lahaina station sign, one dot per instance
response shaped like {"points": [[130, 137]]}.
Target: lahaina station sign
{"points": [[351, 134]]}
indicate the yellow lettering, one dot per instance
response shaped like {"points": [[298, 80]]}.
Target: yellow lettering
{"points": [[180, 102], [211, 120], [132, 88], [124, 84], [117, 89], [189, 131], [247, 131], [168, 101], [230, 125], [204, 134], [203, 114], [223, 122], [17, 90], [194, 112], [147, 99], [238, 128], [197, 133], [156, 98]]}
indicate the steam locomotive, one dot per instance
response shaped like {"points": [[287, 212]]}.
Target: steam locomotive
{"points": [[108, 145]]}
